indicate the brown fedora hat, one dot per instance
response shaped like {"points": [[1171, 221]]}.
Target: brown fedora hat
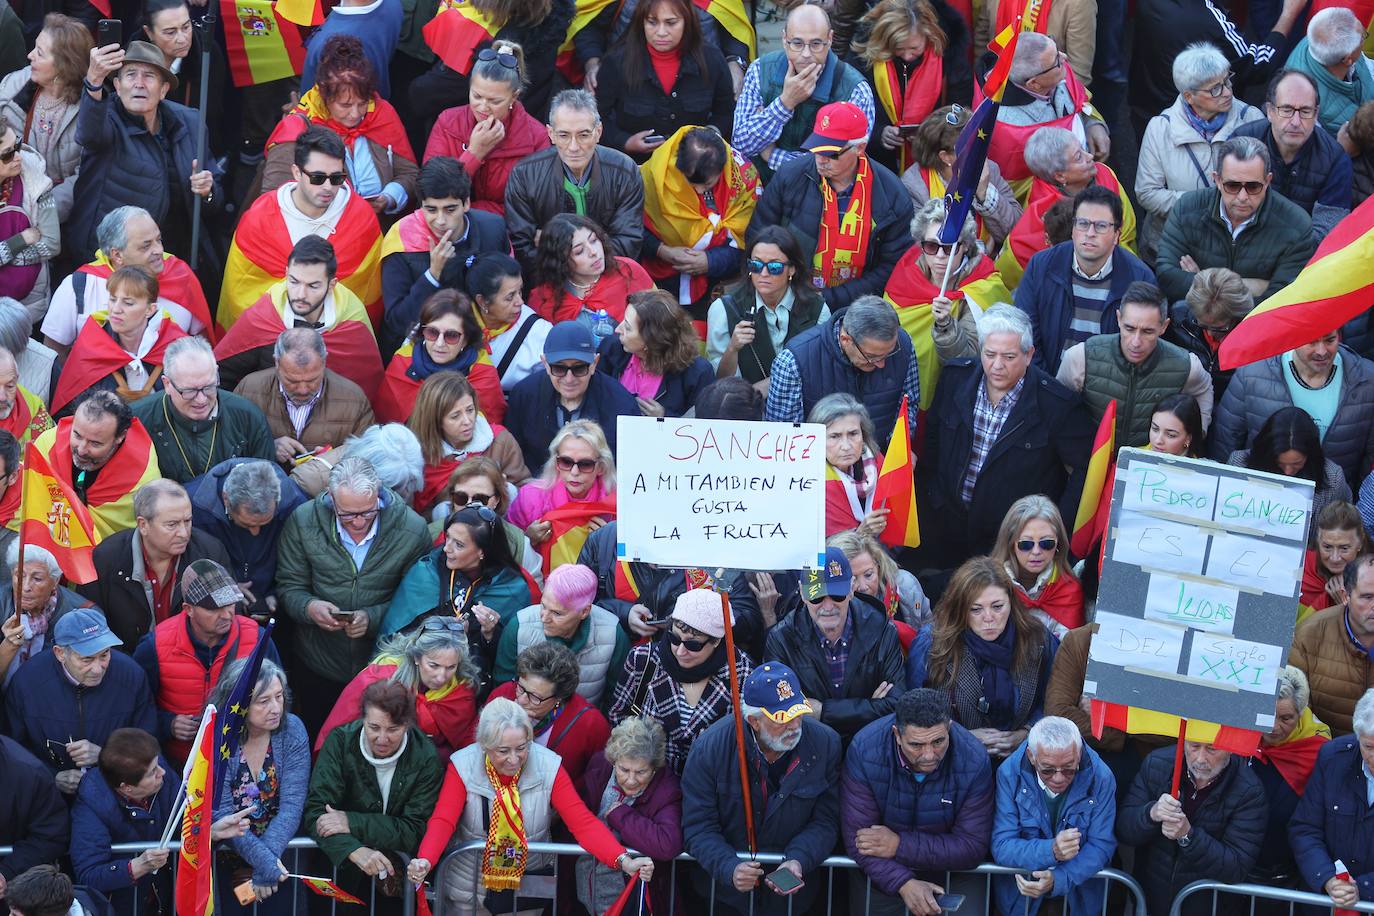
{"points": [[145, 52]]}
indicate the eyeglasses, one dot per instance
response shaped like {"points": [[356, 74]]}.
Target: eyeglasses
{"points": [[816, 45], [451, 336], [933, 247], [691, 645], [1095, 226], [366, 516], [462, 498], [585, 465], [1252, 188], [1285, 112], [1051, 772], [1058, 62], [774, 268], [1026, 545], [1217, 331], [443, 623], [193, 394], [9, 154], [334, 178], [501, 57], [1219, 89], [578, 370], [563, 137], [530, 695], [875, 360]]}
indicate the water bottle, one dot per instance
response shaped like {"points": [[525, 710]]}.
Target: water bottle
{"points": [[602, 326]]}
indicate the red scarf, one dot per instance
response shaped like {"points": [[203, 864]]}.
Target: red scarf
{"points": [[381, 125], [1294, 760], [909, 285], [844, 239], [1061, 598], [1313, 593], [924, 88], [610, 293]]}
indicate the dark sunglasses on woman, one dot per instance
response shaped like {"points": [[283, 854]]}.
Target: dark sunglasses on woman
{"points": [[451, 336], [585, 465], [691, 645], [1045, 544], [774, 268]]}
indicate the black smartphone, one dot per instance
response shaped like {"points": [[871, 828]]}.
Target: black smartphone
{"points": [[784, 881], [109, 32], [948, 903], [342, 616]]}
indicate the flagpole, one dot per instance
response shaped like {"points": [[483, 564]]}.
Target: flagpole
{"points": [[949, 269], [179, 807], [19, 562], [1178, 757], [739, 716]]}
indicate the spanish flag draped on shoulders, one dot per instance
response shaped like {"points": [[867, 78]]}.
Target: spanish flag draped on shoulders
{"points": [[1028, 235], [678, 216], [110, 496], [568, 517], [457, 31], [28, 418], [347, 333], [96, 355], [176, 282], [271, 227], [585, 14], [910, 291], [380, 124], [410, 367], [621, 277], [1009, 140]]}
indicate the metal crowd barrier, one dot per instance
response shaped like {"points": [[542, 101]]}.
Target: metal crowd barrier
{"points": [[1257, 892], [439, 904]]}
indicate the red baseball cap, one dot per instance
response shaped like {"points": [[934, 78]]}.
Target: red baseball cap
{"points": [[837, 125]]}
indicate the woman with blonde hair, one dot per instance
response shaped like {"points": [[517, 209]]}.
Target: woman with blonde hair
{"points": [[877, 575], [449, 422], [580, 469], [1033, 547], [655, 354], [989, 652]]}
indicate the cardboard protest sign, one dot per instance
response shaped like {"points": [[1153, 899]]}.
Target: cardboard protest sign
{"points": [[1199, 588], [721, 493]]}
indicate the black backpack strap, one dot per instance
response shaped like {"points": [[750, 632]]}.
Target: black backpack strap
{"points": [[520, 334], [79, 290]]}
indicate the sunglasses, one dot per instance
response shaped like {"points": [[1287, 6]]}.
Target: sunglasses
{"points": [[954, 115], [580, 369], [451, 336], [774, 268], [585, 465], [1051, 772], [1026, 545], [691, 645], [334, 178], [9, 154], [501, 57], [932, 247], [463, 498], [443, 623], [1249, 187]]}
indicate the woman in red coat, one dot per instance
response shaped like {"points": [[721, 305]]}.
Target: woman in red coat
{"points": [[433, 661], [493, 131], [1033, 546], [576, 277]]}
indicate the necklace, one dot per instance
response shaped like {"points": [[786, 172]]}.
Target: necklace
{"points": [[171, 428]]}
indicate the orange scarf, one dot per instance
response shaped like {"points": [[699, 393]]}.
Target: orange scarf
{"points": [[924, 87], [844, 238]]}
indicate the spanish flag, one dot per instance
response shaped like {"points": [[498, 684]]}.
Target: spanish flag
{"points": [[301, 12], [896, 487], [262, 243], [586, 12], [1136, 721], [1334, 287], [455, 33], [570, 531], [195, 872], [1095, 505], [731, 16], [96, 355], [261, 43], [110, 498], [53, 518], [28, 419], [326, 888]]}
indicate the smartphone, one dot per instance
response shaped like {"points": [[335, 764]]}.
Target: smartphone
{"points": [[654, 138], [109, 32], [908, 128], [342, 616], [244, 893], [948, 903], [660, 622], [784, 881]]}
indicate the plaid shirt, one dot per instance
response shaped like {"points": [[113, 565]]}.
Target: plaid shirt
{"points": [[757, 125], [665, 703], [837, 652], [988, 420]]}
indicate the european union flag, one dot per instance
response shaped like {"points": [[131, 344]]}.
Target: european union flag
{"points": [[229, 727], [970, 152]]}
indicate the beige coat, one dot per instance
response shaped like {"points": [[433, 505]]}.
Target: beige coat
{"points": [[64, 158]]}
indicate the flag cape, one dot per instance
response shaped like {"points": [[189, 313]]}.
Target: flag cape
{"points": [[177, 283], [568, 64], [409, 234], [437, 475], [924, 90], [230, 732], [53, 518], [110, 499], [257, 257], [1295, 757], [1335, 286], [95, 355], [380, 124], [396, 395], [1061, 598], [350, 342], [911, 294], [843, 510], [1095, 504], [1009, 142], [1136, 721], [733, 18], [610, 293], [570, 531], [195, 872], [678, 216], [326, 888], [455, 33], [896, 487], [261, 44], [28, 419], [301, 12]]}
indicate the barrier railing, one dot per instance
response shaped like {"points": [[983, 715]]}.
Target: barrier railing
{"points": [[1256, 892], [439, 903]]}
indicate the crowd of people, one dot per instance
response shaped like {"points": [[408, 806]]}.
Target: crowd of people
{"points": [[332, 358]]}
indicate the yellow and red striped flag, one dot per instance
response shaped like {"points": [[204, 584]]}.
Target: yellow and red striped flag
{"points": [[569, 530], [455, 33], [195, 873], [326, 888], [1096, 502], [301, 12], [1136, 721], [731, 16], [1335, 286], [52, 517], [896, 487], [260, 42]]}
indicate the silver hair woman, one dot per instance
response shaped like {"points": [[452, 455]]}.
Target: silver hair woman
{"points": [[522, 784], [852, 457], [391, 449], [42, 601]]}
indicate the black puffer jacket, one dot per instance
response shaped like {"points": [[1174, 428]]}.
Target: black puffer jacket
{"points": [[1184, 331], [33, 817]]}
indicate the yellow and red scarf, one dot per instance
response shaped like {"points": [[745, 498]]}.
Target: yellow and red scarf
{"points": [[844, 238], [923, 90], [507, 851]]}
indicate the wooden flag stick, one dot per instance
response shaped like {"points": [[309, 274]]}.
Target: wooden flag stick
{"points": [[739, 716]]}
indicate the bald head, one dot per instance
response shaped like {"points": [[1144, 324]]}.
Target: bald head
{"points": [[808, 15], [9, 383], [806, 39]]}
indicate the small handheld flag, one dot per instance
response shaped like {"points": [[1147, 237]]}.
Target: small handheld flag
{"points": [[896, 487], [1096, 502], [326, 888], [195, 877]]}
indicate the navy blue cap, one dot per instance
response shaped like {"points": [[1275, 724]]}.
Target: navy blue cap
{"points": [[569, 340]]}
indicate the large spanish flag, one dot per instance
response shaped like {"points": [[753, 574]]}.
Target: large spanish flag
{"points": [[1095, 504], [261, 43], [110, 498], [176, 283], [257, 258], [195, 871], [455, 33], [1334, 287], [53, 518], [570, 531], [731, 16], [1136, 721], [96, 355], [896, 487], [301, 12]]}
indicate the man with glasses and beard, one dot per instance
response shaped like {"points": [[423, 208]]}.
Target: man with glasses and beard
{"points": [[319, 201], [1240, 223], [194, 425], [310, 297]]}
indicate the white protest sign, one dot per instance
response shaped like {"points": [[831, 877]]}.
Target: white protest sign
{"points": [[1237, 663], [1130, 641], [1189, 603], [720, 493], [1267, 565], [1154, 543]]}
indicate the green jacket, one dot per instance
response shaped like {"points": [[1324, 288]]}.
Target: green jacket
{"points": [[1276, 245], [420, 592], [344, 780], [312, 563], [187, 449]]}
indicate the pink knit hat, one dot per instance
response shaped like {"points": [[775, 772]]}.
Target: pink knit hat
{"points": [[700, 609]]}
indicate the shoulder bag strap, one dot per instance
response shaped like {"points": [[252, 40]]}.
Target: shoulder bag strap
{"points": [[520, 334]]}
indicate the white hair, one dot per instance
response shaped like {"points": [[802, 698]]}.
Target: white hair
{"points": [[498, 715], [32, 554], [188, 347], [1006, 319], [1333, 35], [1047, 151], [1363, 721], [1197, 65], [1054, 733], [395, 453], [1293, 686], [1030, 53]]}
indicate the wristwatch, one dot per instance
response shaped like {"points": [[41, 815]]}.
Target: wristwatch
{"points": [[1186, 840], [620, 859]]}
